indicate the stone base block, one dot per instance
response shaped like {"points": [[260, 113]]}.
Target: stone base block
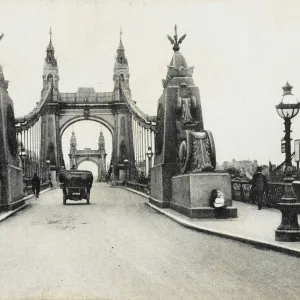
{"points": [[161, 191], [158, 203], [287, 235], [205, 212], [191, 195]]}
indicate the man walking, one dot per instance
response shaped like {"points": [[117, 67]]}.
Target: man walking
{"points": [[35, 182], [259, 187]]}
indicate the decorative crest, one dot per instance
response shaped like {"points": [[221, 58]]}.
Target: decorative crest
{"points": [[176, 41]]}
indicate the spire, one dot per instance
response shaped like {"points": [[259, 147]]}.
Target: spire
{"points": [[121, 73], [121, 43], [50, 59], [101, 136], [121, 58], [101, 140], [73, 138]]}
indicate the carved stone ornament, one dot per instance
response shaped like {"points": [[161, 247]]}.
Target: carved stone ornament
{"points": [[122, 126], [159, 129], [11, 132], [203, 156], [186, 106], [196, 152]]}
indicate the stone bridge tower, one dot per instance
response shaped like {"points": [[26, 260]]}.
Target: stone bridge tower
{"points": [[51, 149], [102, 160], [123, 138], [73, 148], [60, 110], [96, 156]]}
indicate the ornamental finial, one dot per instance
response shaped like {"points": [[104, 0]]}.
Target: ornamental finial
{"points": [[176, 41], [287, 89], [50, 33]]}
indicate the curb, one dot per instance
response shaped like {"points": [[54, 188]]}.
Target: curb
{"points": [[241, 239], [135, 192], [6, 215]]}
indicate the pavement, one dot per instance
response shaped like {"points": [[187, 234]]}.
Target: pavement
{"points": [[253, 226], [6, 214]]}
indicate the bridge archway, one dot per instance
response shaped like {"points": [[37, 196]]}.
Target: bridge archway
{"points": [[88, 141], [91, 165], [64, 123]]}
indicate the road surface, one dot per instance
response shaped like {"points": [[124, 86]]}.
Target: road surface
{"points": [[119, 248]]}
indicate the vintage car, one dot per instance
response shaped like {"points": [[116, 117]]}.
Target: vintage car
{"points": [[76, 185]]}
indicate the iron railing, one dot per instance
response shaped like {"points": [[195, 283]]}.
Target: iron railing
{"points": [[144, 188], [241, 192], [27, 189]]}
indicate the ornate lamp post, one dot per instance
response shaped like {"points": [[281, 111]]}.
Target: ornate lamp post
{"points": [[23, 156], [112, 173], [289, 229], [126, 168], [48, 169], [149, 154]]}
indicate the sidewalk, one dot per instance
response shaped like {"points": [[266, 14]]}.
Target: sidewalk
{"points": [[5, 214], [255, 227]]}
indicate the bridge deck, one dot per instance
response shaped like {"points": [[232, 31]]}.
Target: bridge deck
{"points": [[119, 248]]}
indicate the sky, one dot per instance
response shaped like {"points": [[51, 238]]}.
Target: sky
{"points": [[243, 52]]}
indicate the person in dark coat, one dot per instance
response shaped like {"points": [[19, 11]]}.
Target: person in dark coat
{"points": [[259, 187], [36, 182]]}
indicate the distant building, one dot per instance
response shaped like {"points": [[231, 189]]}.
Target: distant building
{"points": [[243, 168]]}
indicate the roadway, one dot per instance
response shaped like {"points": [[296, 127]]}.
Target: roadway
{"points": [[119, 248]]}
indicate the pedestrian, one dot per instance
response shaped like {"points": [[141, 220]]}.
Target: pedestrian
{"points": [[36, 182], [50, 180], [142, 178], [259, 187], [218, 202], [107, 175]]}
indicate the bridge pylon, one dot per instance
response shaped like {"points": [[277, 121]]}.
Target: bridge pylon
{"points": [[11, 175]]}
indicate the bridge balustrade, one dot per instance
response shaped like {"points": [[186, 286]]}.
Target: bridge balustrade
{"points": [[241, 192], [27, 189], [144, 188]]}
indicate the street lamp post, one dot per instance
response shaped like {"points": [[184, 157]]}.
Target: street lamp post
{"points": [[23, 156], [149, 155], [112, 173], [289, 229], [126, 168], [48, 176]]}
